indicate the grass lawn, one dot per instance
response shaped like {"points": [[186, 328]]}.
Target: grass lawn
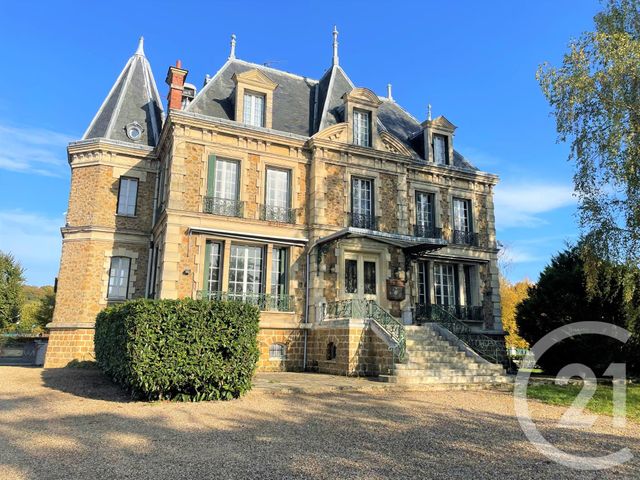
{"points": [[601, 402]]}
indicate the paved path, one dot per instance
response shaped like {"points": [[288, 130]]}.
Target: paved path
{"points": [[74, 424]]}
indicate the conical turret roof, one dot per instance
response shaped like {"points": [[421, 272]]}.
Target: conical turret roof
{"points": [[132, 111]]}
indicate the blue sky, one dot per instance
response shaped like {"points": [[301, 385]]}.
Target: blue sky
{"points": [[475, 62]]}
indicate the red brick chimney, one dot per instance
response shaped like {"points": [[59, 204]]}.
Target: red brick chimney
{"points": [[175, 79]]}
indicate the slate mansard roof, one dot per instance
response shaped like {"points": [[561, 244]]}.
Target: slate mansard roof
{"points": [[304, 106], [301, 105], [133, 98]]}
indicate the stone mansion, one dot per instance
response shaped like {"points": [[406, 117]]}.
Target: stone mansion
{"points": [[359, 231]]}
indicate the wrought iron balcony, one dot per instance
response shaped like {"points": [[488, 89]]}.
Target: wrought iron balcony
{"points": [[223, 206], [264, 301], [424, 312], [363, 220], [425, 231], [462, 237], [277, 214]]}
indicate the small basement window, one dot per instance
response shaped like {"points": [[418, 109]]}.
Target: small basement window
{"points": [[277, 351], [332, 351]]}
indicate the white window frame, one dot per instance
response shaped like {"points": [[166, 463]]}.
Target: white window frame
{"points": [[425, 210], [254, 108], [462, 215], [239, 275], [119, 272], [361, 127], [127, 196], [444, 284], [279, 259], [361, 203], [227, 173], [440, 153]]}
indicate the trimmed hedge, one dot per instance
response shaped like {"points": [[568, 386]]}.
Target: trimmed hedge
{"points": [[179, 349]]}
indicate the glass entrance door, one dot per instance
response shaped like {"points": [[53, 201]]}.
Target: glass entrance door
{"points": [[361, 276], [444, 282]]}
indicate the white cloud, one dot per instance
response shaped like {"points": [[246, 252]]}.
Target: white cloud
{"points": [[33, 150], [35, 241], [523, 205]]}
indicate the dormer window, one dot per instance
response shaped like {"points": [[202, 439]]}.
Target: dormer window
{"points": [[440, 149], [438, 140], [254, 98], [361, 127], [254, 109]]}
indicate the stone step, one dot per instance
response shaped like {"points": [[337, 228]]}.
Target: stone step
{"points": [[443, 372], [427, 341], [423, 336], [412, 365], [436, 355], [432, 348], [478, 379]]}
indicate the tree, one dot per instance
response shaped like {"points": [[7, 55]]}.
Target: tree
{"points": [[44, 314], [510, 296], [560, 298], [37, 309], [595, 97], [11, 298]]}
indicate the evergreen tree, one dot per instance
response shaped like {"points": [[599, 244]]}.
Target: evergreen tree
{"points": [[11, 298]]}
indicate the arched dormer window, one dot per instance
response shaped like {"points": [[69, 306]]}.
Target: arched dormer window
{"points": [[361, 113]]}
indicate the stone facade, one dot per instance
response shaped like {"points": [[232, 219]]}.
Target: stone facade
{"points": [[349, 226]]}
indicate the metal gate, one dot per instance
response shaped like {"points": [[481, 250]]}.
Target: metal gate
{"points": [[20, 351]]}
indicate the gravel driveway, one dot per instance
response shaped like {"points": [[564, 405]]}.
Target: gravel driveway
{"points": [[73, 424]]}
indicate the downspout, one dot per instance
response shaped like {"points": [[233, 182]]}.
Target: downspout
{"points": [[153, 223], [306, 310]]}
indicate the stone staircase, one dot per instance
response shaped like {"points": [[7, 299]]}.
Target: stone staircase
{"points": [[434, 358]]}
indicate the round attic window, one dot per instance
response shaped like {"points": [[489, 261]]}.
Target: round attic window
{"points": [[134, 131]]}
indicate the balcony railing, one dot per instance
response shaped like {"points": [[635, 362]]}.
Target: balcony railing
{"points": [[363, 220], [223, 206], [423, 313], [462, 237], [425, 231], [264, 301], [277, 214]]}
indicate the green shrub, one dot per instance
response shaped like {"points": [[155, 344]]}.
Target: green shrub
{"points": [[179, 349]]}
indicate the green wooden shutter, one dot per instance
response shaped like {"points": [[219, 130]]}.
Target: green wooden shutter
{"points": [[207, 257], [211, 175]]}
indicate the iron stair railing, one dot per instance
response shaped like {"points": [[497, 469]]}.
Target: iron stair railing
{"points": [[488, 348], [370, 310]]}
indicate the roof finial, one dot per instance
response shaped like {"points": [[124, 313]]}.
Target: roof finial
{"points": [[389, 96], [335, 46], [140, 50], [429, 112], [233, 46]]}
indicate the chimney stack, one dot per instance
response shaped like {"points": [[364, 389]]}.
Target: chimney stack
{"points": [[175, 79]]}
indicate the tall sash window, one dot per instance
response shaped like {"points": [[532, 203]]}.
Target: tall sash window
{"points": [[254, 109]]}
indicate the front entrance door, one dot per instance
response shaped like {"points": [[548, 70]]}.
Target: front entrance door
{"points": [[361, 276]]}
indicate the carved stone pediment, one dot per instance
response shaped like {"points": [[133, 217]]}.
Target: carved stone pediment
{"points": [[255, 78], [335, 133], [362, 96], [442, 123], [393, 145]]}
